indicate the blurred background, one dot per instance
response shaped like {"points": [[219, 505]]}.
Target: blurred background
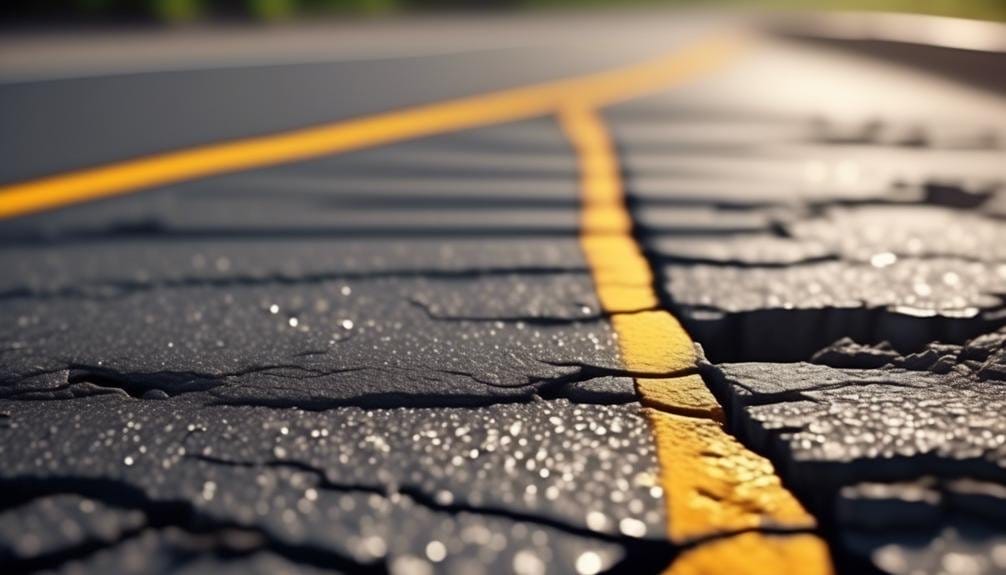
{"points": [[189, 11]]}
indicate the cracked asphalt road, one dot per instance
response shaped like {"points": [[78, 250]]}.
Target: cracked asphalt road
{"points": [[439, 313]]}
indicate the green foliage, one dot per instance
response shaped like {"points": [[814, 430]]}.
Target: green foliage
{"points": [[177, 10], [980, 9], [350, 6], [272, 10]]}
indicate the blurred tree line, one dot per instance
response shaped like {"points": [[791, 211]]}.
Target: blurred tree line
{"points": [[277, 10], [189, 10]]}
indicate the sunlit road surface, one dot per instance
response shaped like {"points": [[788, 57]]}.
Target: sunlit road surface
{"points": [[424, 297]]}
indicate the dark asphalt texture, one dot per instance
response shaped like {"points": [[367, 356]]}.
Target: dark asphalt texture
{"points": [[395, 360]]}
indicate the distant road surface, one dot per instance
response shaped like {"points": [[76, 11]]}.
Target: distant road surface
{"points": [[633, 291]]}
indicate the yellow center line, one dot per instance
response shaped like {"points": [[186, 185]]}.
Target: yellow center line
{"points": [[712, 484], [499, 107]]}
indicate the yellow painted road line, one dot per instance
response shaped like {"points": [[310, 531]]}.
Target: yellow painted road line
{"points": [[755, 553], [259, 152], [713, 486]]}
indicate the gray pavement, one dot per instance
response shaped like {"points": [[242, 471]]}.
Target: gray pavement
{"points": [[394, 359]]}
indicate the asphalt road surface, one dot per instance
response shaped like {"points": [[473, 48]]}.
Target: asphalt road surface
{"points": [[568, 294]]}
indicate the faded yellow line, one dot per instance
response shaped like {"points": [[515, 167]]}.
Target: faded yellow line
{"points": [[755, 553], [713, 486], [499, 107]]}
